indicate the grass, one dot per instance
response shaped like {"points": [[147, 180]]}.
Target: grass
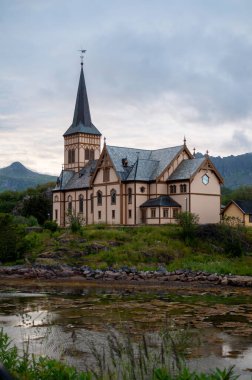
{"points": [[144, 247], [121, 359]]}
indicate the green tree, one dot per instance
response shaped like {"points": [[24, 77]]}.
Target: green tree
{"points": [[39, 206], [11, 239]]}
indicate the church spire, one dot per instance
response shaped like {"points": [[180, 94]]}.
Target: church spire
{"points": [[81, 111], [82, 118]]}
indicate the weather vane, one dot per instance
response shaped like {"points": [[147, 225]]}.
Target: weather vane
{"points": [[82, 55]]}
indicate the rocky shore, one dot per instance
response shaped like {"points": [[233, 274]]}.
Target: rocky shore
{"points": [[125, 274]]}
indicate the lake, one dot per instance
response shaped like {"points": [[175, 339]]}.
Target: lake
{"points": [[62, 321]]}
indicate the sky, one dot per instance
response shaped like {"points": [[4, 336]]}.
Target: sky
{"points": [[155, 71]]}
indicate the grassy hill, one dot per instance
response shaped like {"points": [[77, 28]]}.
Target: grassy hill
{"points": [[17, 177]]}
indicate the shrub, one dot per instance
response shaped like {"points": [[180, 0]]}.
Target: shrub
{"points": [[188, 222], [51, 225]]}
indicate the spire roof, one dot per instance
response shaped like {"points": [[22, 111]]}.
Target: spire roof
{"points": [[82, 119]]}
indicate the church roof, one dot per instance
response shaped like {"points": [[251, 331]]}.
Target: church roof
{"points": [[162, 201], [142, 165], [187, 169], [82, 118], [70, 180]]}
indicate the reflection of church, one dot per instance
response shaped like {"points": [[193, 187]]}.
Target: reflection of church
{"points": [[130, 186]]}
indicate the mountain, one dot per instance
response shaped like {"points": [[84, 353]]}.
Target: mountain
{"points": [[236, 170], [17, 177]]}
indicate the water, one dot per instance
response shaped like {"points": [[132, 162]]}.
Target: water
{"points": [[62, 321]]}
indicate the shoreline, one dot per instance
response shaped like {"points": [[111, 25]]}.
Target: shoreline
{"points": [[124, 276]]}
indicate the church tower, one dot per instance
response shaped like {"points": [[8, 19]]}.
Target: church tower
{"points": [[82, 139]]}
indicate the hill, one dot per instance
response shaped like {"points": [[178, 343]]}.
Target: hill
{"points": [[236, 170], [17, 177]]}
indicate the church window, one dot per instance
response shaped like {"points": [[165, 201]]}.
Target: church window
{"points": [[71, 156], [56, 214], [69, 204], [113, 196], [129, 196], [91, 154], [99, 215], [99, 198], [86, 154], [56, 198], [173, 189], [113, 214], [183, 188], [92, 203], [153, 213], [81, 203], [106, 172], [165, 213], [130, 214]]}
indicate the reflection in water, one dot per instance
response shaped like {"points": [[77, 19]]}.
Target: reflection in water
{"points": [[63, 323]]}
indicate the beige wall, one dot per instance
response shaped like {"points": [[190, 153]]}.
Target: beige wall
{"points": [[234, 211]]}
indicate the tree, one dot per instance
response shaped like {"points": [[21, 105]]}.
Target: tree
{"points": [[11, 238], [39, 206]]}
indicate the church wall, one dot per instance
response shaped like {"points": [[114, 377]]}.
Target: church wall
{"points": [[205, 199]]}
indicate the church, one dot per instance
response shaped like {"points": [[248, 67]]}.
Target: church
{"points": [[129, 186]]}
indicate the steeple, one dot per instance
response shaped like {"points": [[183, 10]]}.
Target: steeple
{"points": [[82, 140], [82, 118]]}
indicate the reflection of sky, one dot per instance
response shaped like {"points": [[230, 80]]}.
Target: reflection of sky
{"points": [[60, 325]]}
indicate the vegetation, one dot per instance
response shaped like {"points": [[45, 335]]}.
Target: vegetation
{"points": [[123, 360], [214, 248], [240, 193]]}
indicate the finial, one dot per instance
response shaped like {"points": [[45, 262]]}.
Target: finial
{"points": [[82, 55], [105, 140], [194, 152], [207, 153], [184, 140]]}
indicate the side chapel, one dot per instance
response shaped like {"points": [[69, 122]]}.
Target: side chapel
{"points": [[129, 186]]}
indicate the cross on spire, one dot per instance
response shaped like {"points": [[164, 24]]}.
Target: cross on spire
{"points": [[82, 55]]}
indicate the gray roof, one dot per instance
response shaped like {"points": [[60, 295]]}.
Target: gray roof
{"points": [[244, 205], [82, 119], [162, 201], [143, 165], [70, 180], [187, 168]]}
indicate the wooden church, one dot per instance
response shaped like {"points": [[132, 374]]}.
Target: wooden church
{"points": [[129, 186]]}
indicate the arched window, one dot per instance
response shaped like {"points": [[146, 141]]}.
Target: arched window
{"points": [[113, 196], [56, 198], [129, 195], [71, 156], [91, 156], [81, 203], [99, 198], [69, 203], [86, 154], [173, 189], [183, 188]]}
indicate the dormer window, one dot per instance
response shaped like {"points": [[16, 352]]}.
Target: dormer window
{"points": [[124, 162]]}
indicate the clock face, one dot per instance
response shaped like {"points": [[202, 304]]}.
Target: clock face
{"points": [[205, 179]]}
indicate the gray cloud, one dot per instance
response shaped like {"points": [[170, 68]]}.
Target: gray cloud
{"points": [[179, 64]]}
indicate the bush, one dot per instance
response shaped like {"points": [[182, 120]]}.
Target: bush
{"points": [[188, 221], [51, 225]]}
